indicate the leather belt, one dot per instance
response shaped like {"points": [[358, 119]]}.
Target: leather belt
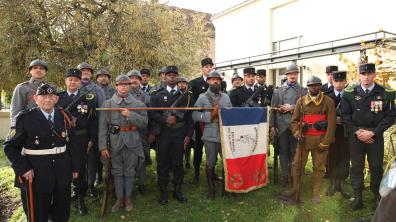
{"points": [[53, 151], [128, 128]]}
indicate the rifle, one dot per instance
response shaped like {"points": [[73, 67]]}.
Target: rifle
{"points": [[276, 147], [249, 102], [106, 192], [175, 112], [301, 142]]}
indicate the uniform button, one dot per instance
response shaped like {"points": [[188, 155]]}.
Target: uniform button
{"points": [[53, 161]]}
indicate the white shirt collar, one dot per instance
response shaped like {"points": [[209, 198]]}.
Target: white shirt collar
{"points": [[249, 87], [204, 77], [170, 88], [338, 92], [47, 114], [369, 88], [75, 93]]}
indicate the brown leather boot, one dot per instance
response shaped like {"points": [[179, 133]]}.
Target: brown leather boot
{"points": [[116, 207], [128, 204]]}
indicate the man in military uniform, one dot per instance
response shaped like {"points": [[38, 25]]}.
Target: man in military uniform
{"points": [[103, 80], [37, 150], [339, 150], [246, 96], [212, 98], [22, 97], [285, 98], [119, 140], [198, 86], [368, 110], [161, 76], [88, 86], [138, 93], [145, 73], [237, 81], [261, 79], [313, 124], [82, 136], [328, 87], [182, 84], [174, 135]]}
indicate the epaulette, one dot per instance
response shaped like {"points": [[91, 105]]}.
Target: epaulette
{"points": [[349, 92], [24, 112]]}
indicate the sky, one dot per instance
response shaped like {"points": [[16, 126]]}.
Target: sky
{"points": [[209, 6]]}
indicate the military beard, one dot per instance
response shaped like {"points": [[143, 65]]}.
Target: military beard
{"points": [[215, 88]]}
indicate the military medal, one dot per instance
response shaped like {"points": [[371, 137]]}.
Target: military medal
{"points": [[357, 97], [36, 141], [203, 87], [165, 98], [259, 100], [63, 134], [380, 105], [372, 106]]}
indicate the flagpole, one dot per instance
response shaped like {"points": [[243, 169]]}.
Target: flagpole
{"points": [[156, 109]]}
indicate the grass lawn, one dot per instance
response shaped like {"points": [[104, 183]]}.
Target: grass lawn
{"points": [[259, 205]]}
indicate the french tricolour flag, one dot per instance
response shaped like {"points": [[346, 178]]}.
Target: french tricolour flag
{"points": [[244, 147]]}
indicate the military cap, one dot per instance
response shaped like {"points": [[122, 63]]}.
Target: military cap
{"points": [[182, 79], [331, 69], [103, 71], [134, 73], [314, 80], [292, 68], [171, 69], [145, 71], [38, 62], [339, 75], [214, 74], [162, 70], [206, 61], [74, 73], [367, 68], [261, 72], [236, 76], [85, 65], [122, 78], [249, 70], [46, 89]]}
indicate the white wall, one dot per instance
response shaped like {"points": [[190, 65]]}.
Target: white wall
{"points": [[251, 29]]}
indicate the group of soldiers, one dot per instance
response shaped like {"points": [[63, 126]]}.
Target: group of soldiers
{"points": [[63, 138]]}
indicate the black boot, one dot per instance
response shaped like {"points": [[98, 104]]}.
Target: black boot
{"points": [[82, 208], [341, 188], [377, 199], [142, 189], [163, 195], [333, 187], [209, 177], [178, 195], [358, 201], [195, 180], [92, 191]]}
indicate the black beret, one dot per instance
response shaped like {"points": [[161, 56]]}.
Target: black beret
{"points": [[261, 72], [339, 75], [171, 69], [73, 72], [145, 71], [331, 69], [367, 68], [249, 70], [46, 89], [206, 61]]}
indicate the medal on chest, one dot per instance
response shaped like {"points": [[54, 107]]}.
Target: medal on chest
{"points": [[165, 98], [82, 108], [376, 106], [37, 141]]}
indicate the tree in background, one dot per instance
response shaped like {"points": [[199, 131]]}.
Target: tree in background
{"points": [[120, 35]]}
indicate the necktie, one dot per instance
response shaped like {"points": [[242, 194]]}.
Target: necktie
{"points": [[50, 121], [172, 91], [250, 90], [72, 95], [367, 91], [339, 96], [144, 89]]}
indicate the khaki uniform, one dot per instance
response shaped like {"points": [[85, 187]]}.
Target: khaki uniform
{"points": [[321, 108]]}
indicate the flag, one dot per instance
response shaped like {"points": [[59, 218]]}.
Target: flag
{"points": [[244, 142]]}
